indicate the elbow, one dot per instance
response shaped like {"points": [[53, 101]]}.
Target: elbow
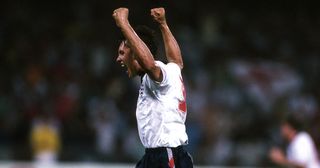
{"points": [[148, 66], [180, 65]]}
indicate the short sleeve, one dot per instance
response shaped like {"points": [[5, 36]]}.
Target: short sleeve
{"points": [[169, 71]]}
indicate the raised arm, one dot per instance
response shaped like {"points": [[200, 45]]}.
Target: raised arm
{"points": [[172, 48], [141, 51]]}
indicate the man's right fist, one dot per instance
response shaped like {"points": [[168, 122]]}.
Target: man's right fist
{"points": [[120, 15], [158, 15]]}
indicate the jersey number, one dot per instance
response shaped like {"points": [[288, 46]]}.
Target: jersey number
{"points": [[183, 104]]}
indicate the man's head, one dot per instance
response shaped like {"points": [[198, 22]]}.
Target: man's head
{"points": [[126, 57], [290, 127]]}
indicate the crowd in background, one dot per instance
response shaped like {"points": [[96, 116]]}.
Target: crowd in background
{"points": [[247, 65]]}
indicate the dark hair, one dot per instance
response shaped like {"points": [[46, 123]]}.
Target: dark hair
{"points": [[295, 121], [147, 35]]}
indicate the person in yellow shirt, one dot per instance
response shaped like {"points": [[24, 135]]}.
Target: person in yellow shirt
{"points": [[45, 140]]}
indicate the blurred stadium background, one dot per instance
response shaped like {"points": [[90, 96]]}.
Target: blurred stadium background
{"points": [[247, 64]]}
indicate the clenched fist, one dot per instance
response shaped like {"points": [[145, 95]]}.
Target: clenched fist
{"points": [[158, 15], [120, 15]]}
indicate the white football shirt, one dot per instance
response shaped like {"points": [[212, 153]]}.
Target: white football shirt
{"points": [[161, 109], [302, 150]]}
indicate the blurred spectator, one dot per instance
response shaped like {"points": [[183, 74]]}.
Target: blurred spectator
{"points": [[266, 82], [104, 121], [301, 150], [45, 140]]}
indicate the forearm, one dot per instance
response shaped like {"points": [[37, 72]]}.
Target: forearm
{"points": [[293, 164], [139, 48], [287, 163], [172, 48]]}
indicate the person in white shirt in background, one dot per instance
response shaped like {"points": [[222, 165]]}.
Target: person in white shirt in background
{"points": [[301, 151]]}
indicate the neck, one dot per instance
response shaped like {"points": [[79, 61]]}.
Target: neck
{"points": [[292, 135]]}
